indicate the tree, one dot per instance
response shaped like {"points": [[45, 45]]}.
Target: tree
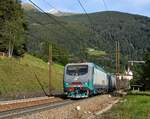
{"points": [[146, 71], [59, 54], [142, 73], [12, 27]]}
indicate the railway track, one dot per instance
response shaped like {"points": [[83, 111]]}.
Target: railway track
{"points": [[15, 113], [18, 112], [28, 110]]}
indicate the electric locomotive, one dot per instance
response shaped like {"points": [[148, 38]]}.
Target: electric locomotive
{"points": [[84, 79]]}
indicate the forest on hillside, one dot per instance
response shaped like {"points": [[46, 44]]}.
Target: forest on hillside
{"points": [[75, 34]]}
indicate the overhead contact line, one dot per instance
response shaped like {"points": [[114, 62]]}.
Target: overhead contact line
{"points": [[59, 23], [105, 5], [50, 5], [55, 20], [90, 20]]}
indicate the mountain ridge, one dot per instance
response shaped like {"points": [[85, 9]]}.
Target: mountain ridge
{"points": [[132, 31], [55, 12], [60, 13]]}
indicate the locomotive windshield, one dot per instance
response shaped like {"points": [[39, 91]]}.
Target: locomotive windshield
{"points": [[77, 70]]}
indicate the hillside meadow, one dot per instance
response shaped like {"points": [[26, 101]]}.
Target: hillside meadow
{"points": [[17, 76]]}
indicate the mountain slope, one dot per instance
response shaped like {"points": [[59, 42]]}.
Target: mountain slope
{"points": [[28, 7], [132, 31]]}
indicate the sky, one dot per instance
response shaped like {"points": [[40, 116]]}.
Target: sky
{"points": [[141, 7]]}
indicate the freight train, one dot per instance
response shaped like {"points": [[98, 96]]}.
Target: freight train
{"points": [[85, 79]]}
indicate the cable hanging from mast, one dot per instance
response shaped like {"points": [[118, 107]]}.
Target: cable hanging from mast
{"points": [[40, 23], [55, 20], [105, 5], [60, 24], [90, 20], [93, 29], [50, 4]]}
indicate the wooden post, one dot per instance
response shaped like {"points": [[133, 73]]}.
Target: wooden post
{"points": [[50, 70], [117, 64], [118, 58]]}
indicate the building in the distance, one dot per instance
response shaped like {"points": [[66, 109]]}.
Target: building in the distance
{"points": [[128, 74]]}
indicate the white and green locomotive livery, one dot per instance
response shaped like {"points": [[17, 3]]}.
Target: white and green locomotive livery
{"points": [[84, 79]]}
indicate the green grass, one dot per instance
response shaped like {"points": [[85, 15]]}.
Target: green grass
{"points": [[131, 107], [146, 93], [96, 53], [17, 75]]}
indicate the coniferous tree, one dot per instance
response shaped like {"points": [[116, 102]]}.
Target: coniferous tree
{"points": [[146, 71], [142, 73], [12, 27]]}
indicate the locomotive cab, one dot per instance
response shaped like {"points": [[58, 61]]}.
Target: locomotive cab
{"points": [[76, 80]]}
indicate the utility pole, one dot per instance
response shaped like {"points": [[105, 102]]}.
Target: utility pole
{"points": [[50, 64], [117, 57], [117, 63]]}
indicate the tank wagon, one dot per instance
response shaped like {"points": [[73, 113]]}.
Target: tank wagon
{"points": [[84, 79]]}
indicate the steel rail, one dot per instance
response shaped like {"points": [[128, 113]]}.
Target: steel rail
{"points": [[29, 110]]}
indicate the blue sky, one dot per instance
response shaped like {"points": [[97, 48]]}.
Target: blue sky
{"points": [[141, 7]]}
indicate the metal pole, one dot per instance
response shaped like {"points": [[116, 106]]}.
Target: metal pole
{"points": [[50, 70]]}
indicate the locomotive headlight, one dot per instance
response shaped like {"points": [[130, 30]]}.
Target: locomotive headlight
{"points": [[86, 83], [66, 83]]}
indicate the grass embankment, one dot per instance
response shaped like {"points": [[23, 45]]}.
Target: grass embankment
{"points": [[17, 75], [130, 107]]}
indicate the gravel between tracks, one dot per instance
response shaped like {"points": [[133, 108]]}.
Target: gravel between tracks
{"points": [[81, 109]]}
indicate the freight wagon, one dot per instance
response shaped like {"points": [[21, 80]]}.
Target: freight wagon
{"points": [[84, 79]]}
